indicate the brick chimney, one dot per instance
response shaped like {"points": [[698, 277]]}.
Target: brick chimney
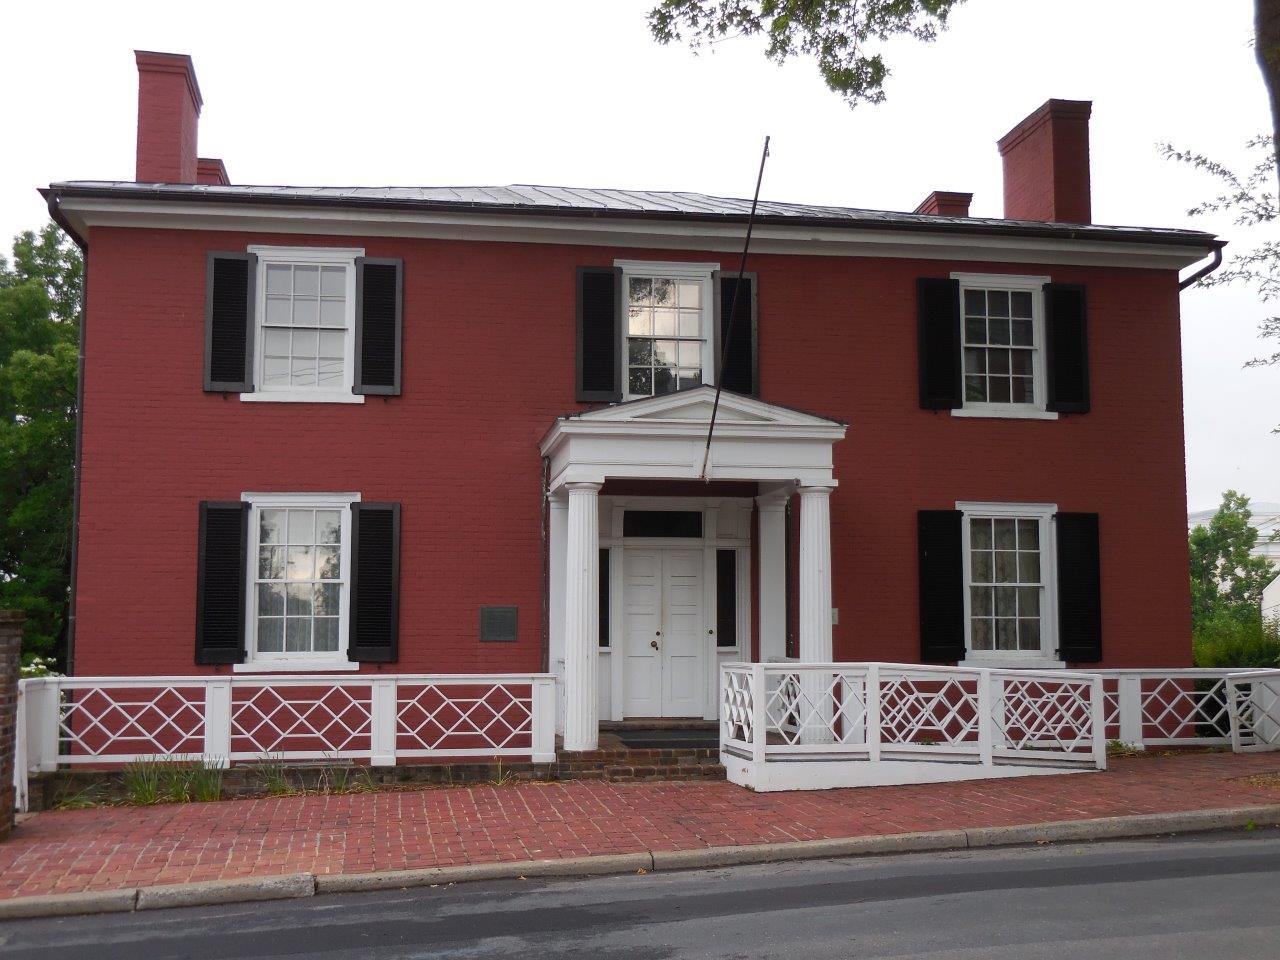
{"points": [[1046, 164], [944, 203], [168, 113]]}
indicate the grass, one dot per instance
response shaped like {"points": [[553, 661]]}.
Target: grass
{"points": [[1118, 748], [170, 780], [272, 776]]}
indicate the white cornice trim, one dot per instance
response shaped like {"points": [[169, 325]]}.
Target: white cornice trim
{"points": [[84, 213]]}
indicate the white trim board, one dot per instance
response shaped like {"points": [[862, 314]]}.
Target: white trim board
{"points": [[85, 212]]}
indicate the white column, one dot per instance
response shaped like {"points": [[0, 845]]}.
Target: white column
{"points": [[558, 530], [815, 609], [772, 601], [582, 618]]}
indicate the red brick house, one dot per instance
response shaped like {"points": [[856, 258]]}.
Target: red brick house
{"points": [[461, 430]]}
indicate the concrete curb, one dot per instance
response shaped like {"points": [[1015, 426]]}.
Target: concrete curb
{"points": [[294, 885]]}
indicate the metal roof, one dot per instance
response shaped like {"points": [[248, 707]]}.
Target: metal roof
{"points": [[641, 204]]}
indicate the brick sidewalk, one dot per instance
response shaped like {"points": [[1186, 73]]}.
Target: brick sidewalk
{"points": [[106, 848]]}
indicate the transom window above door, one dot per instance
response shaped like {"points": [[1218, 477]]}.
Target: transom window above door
{"points": [[668, 330]]}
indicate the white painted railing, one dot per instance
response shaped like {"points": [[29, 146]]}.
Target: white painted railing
{"points": [[379, 718], [1254, 705], [791, 726], [1169, 706]]}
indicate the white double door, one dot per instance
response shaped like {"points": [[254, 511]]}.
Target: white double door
{"points": [[665, 632]]}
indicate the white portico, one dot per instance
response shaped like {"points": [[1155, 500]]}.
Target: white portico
{"points": [[666, 555]]}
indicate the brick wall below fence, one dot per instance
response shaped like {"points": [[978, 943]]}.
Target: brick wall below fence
{"points": [[10, 647]]}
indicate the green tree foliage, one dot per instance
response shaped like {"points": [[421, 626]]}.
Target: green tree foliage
{"points": [[40, 303], [835, 32], [1225, 640], [1226, 578]]}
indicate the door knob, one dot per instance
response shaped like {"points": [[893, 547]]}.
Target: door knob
{"points": [[657, 633], [654, 644]]}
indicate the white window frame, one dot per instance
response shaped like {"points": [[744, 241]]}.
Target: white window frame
{"points": [[1039, 379], [326, 256], [328, 661], [672, 270], [1046, 656]]}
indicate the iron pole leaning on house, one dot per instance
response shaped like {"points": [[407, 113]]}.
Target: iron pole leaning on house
{"points": [[733, 312]]}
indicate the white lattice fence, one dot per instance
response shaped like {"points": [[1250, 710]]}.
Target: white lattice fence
{"points": [[1047, 717], [1254, 704], [223, 719], [1168, 707]]}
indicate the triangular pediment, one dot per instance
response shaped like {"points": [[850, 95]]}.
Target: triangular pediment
{"points": [[696, 406]]}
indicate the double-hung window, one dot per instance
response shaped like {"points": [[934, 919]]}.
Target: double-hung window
{"points": [[304, 306], [299, 580], [668, 333], [1010, 588], [1002, 321]]}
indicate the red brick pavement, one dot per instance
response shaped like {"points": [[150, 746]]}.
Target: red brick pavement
{"points": [[104, 848]]}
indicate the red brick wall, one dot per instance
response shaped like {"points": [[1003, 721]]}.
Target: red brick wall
{"points": [[10, 646], [168, 115], [1046, 164], [489, 362]]}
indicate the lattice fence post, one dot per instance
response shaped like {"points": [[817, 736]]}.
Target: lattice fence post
{"points": [[986, 716], [217, 724], [873, 712], [10, 648], [1098, 722], [542, 697], [759, 714], [382, 716], [1129, 697]]}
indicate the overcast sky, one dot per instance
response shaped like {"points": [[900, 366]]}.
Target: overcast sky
{"points": [[516, 91]]}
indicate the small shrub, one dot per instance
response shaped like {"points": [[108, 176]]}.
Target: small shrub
{"points": [[38, 667], [1224, 641], [272, 776], [1118, 748], [142, 781]]}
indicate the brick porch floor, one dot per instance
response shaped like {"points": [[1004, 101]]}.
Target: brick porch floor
{"points": [[104, 848]]}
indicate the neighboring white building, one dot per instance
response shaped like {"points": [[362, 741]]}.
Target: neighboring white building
{"points": [[1266, 517]]}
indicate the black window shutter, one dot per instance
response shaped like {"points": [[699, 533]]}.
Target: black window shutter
{"points": [[600, 312], [228, 322], [941, 354], [741, 373], [941, 586], [1066, 347], [220, 582], [1079, 588], [379, 322], [604, 597], [375, 583]]}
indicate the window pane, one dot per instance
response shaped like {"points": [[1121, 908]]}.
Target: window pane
{"points": [[1006, 566], [333, 313], [640, 352], [1020, 303], [666, 352], [271, 526], [326, 636], [270, 634], [975, 330], [998, 303], [279, 278], [998, 331], [998, 361], [303, 372], [276, 342], [975, 360], [690, 354], [271, 599], [980, 533], [329, 374], [1028, 634], [299, 564], [981, 634], [1020, 331], [1029, 567], [328, 563], [664, 322], [275, 372], [1006, 601], [690, 379], [980, 563], [279, 312], [327, 598], [1020, 362], [641, 321], [1028, 601], [298, 599], [664, 381], [333, 282], [998, 390], [270, 563], [640, 382], [1029, 534], [1006, 635], [641, 290], [297, 638], [975, 302], [331, 344], [302, 526], [975, 388], [690, 323], [980, 601], [305, 343], [1020, 390], [304, 312], [306, 281], [1006, 537], [664, 292], [328, 526]]}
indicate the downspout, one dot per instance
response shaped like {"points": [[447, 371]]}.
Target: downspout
{"points": [[1204, 271], [544, 523], [55, 214]]}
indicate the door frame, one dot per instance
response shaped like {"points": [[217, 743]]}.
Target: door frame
{"points": [[726, 524]]}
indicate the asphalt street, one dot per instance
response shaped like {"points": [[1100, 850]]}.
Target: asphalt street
{"points": [[1200, 897]]}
